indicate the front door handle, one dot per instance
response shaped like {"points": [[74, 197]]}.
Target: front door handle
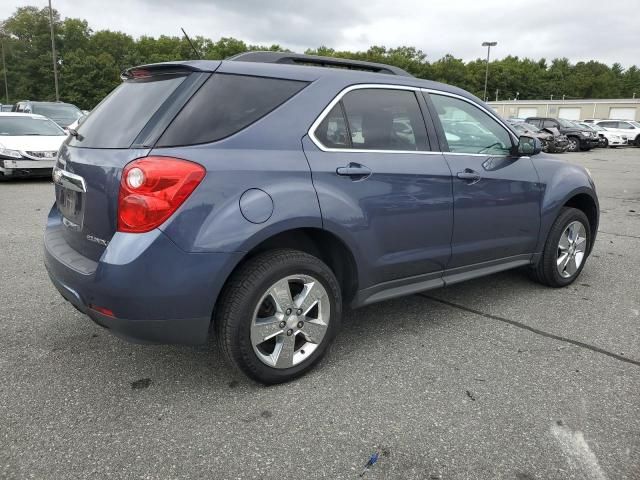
{"points": [[354, 170], [471, 176]]}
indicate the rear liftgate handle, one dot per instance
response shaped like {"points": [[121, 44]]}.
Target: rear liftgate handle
{"points": [[354, 170], [470, 176]]}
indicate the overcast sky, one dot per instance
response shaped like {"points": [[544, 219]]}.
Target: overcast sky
{"points": [[607, 31]]}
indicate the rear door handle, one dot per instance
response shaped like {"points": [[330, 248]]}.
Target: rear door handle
{"points": [[354, 170], [471, 176]]}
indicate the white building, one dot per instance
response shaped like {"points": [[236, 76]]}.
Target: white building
{"points": [[621, 109]]}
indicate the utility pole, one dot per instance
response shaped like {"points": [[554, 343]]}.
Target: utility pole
{"points": [[486, 75], [53, 53], [4, 69], [497, 94]]}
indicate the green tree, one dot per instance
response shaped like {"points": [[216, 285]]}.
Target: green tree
{"points": [[28, 53]]}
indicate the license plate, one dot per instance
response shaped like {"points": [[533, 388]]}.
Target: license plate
{"points": [[70, 204]]}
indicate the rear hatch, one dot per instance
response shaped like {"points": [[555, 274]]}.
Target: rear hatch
{"points": [[123, 127]]}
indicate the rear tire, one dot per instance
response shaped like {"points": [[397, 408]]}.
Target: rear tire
{"points": [[565, 251], [278, 314]]}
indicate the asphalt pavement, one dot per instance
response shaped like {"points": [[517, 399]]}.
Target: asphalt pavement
{"points": [[497, 378]]}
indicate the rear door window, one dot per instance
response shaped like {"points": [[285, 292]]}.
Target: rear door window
{"points": [[381, 119], [120, 117], [225, 105]]}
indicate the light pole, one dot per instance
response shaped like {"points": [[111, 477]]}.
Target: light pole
{"points": [[53, 53], [486, 75], [4, 69]]}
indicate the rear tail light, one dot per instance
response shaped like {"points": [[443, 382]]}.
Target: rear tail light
{"points": [[152, 189]]}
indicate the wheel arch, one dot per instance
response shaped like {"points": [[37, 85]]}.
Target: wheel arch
{"points": [[315, 241], [586, 203], [582, 198]]}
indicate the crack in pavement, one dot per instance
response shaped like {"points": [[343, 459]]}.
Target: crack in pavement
{"points": [[619, 234], [523, 326]]}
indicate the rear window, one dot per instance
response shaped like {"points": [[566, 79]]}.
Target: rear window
{"points": [[121, 116], [226, 104], [61, 113]]}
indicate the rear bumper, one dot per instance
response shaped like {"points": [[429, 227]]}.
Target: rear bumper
{"points": [[157, 292]]}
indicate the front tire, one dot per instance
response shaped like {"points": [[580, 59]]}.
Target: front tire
{"points": [[278, 314], [566, 249], [574, 144]]}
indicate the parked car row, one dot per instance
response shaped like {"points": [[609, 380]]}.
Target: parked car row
{"points": [[552, 140], [579, 135], [64, 114], [31, 133], [29, 144]]}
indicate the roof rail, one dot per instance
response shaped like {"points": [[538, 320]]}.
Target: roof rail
{"points": [[318, 61]]}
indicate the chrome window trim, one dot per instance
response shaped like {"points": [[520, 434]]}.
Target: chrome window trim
{"points": [[337, 98], [363, 86]]}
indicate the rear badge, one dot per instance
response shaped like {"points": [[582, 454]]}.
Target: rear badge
{"points": [[97, 240]]}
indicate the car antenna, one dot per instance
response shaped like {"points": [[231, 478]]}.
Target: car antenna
{"points": [[190, 43]]}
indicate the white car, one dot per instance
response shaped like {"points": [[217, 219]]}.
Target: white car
{"points": [[29, 144], [629, 129], [611, 139]]}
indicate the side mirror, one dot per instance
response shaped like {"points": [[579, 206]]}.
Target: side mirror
{"points": [[529, 146]]}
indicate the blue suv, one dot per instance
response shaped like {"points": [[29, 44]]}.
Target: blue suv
{"points": [[256, 197]]}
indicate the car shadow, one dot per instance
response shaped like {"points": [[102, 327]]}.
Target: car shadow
{"points": [[202, 367]]}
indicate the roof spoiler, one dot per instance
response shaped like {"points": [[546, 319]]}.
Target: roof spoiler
{"points": [[317, 61], [169, 68]]}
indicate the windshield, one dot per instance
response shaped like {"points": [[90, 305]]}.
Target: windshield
{"points": [[566, 123], [531, 128], [63, 114], [16, 126], [635, 124]]}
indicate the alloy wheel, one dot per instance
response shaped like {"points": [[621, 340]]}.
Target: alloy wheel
{"points": [[574, 145], [290, 321], [571, 249]]}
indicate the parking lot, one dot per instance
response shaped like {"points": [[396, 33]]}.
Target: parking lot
{"points": [[496, 378]]}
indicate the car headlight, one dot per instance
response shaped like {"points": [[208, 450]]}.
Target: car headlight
{"points": [[586, 134], [6, 153]]}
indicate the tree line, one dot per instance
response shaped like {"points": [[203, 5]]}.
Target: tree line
{"points": [[90, 63]]}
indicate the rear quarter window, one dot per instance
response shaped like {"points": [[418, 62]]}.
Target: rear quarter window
{"points": [[226, 104]]}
